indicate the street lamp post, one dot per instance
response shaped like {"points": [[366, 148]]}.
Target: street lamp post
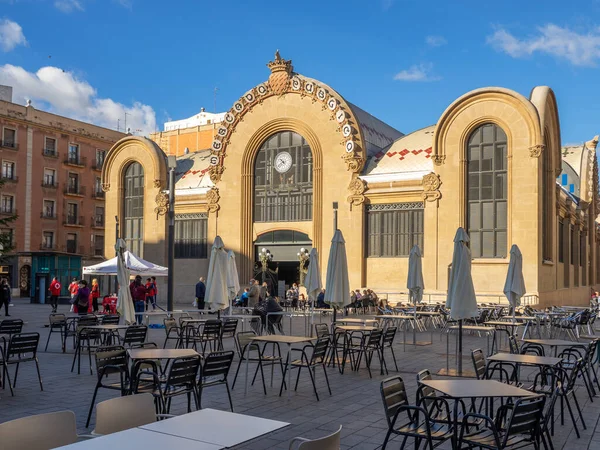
{"points": [[171, 242], [335, 216]]}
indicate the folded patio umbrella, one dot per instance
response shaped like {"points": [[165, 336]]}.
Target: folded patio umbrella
{"points": [[233, 278], [312, 282], [216, 295], [461, 294], [337, 286], [514, 287], [414, 283], [124, 301]]}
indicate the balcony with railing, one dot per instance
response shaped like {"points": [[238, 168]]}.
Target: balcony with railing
{"points": [[97, 166], [76, 161], [98, 221], [73, 221], [49, 183], [47, 246], [50, 153], [98, 194], [8, 144], [48, 214], [72, 247], [9, 177], [75, 190], [8, 210]]}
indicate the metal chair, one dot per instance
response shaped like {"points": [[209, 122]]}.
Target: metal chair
{"points": [[317, 358], [331, 442], [110, 361], [135, 335], [228, 331], [419, 425], [85, 335], [11, 326], [124, 413], [388, 342], [173, 332], [58, 324], [39, 432], [111, 319], [21, 348], [245, 348], [181, 380], [214, 372], [321, 330]]}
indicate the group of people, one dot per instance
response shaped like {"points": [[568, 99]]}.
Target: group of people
{"points": [[363, 300], [143, 295]]}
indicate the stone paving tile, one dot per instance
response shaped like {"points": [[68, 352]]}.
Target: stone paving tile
{"points": [[355, 402]]}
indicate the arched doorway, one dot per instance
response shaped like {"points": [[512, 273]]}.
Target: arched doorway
{"points": [[283, 269]]}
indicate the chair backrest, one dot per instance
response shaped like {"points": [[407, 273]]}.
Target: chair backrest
{"points": [[389, 335], [57, 320], [169, 324], [321, 330], [183, 371], [39, 432], [86, 321], [425, 391], [229, 328], [183, 318], [23, 344], [244, 338], [320, 350], [478, 363], [393, 395], [110, 359], [11, 326], [123, 413], [135, 334], [525, 417], [331, 442], [112, 319], [217, 364], [374, 339], [212, 328]]}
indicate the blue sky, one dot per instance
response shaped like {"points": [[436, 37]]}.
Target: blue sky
{"points": [[403, 61]]}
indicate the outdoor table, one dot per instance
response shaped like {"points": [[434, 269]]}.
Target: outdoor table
{"points": [[278, 339], [554, 343], [290, 314], [352, 321], [161, 353], [349, 330], [525, 360], [221, 428], [184, 325], [502, 325], [479, 329], [140, 438], [109, 329], [473, 389]]}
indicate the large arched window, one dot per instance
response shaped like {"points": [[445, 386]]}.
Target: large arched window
{"points": [[133, 208], [283, 176], [487, 191]]}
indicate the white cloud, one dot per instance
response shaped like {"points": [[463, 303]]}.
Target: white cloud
{"points": [[68, 6], [435, 41], [11, 35], [578, 49], [60, 92], [421, 72]]}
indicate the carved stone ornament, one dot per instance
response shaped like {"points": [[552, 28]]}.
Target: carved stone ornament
{"points": [[213, 197], [438, 159], [162, 204], [353, 162], [357, 188], [215, 173], [281, 70], [431, 187], [105, 187], [157, 184], [536, 150]]}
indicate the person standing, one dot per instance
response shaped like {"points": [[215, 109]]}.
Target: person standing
{"points": [[73, 288], [95, 295], [138, 295], [55, 288], [150, 290], [155, 296], [82, 299], [200, 293], [4, 295], [253, 294]]}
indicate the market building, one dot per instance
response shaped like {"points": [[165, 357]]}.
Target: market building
{"points": [[292, 156]]}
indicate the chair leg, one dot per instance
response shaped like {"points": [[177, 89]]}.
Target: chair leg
{"points": [[236, 372], [74, 358], [89, 417], [312, 379], [37, 366], [298, 377], [262, 375], [48, 340], [189, 402], [394, 356], [285, 369], [7, 377], [229, 394], [579, 411], [326, 378], [572, 417]]}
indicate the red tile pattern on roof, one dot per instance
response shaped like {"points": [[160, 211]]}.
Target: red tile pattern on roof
{"points": [[404, 153]]}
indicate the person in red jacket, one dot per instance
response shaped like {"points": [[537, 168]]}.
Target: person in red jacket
{"points": [[55, 288], [150, 293], [138, 295], [95, 295]]}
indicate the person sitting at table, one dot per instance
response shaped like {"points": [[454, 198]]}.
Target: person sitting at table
{"points": [[321, 300], [243, 300]]}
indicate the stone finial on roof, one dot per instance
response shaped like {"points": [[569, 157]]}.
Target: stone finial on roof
{"points": [[281, 70], [592, 144]]}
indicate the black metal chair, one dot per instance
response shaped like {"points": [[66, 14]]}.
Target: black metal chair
{"points": [[11, 326], [21, 348], [247, 349], [110, 361], [388, 342], [318, 357], [228, 331], [210, 334], [58, 324], [214, 372], [516, 426], [111, 319], [419, 424], [181, 380], [85, 335], [135, 335], [321, 330], [173, 332]]}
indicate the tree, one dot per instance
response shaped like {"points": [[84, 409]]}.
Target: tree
{"points": [[6, 240]]}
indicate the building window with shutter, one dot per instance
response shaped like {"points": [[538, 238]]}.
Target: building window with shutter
{"points": [[190, 236], [393, 229]]}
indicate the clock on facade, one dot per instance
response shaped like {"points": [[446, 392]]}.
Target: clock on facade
{"points": [[283, 162]]}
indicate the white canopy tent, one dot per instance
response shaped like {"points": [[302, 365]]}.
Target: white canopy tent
{"points": [[135, 265]]}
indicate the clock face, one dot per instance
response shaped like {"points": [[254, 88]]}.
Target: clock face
{"points": [[283, 162]]}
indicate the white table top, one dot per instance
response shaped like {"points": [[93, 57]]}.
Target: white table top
{"points": [[222, 428], [140, 438]]}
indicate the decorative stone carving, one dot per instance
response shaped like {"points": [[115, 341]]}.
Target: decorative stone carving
{"points": [[357, 188], [157, 184], [281, 69], [215, 173], [212, 196], [536, 150], [162, 204], [431, 187], [353, 162], [438, 160], [105, 187]]}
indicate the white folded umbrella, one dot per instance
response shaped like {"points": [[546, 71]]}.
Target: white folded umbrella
{"points": [[312, 282], [216, 282], [414, 283], [233, 278], [337, 292], [514, 287], [124, 301]]}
